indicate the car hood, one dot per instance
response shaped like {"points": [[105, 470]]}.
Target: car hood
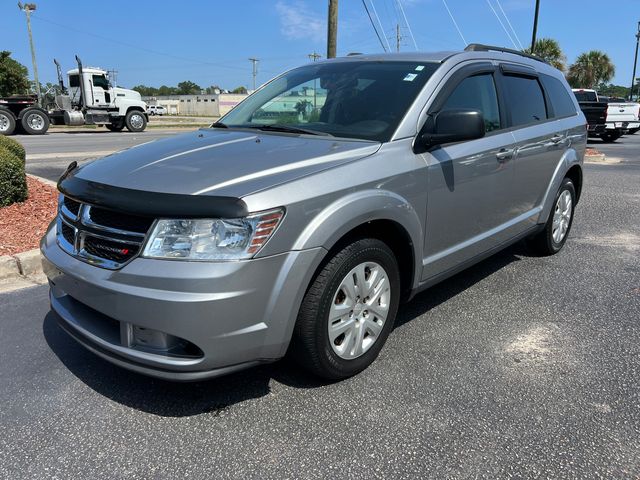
{"points": [[220, 162]]}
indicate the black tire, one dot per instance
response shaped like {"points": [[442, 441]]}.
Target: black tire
{"points": [[34, 121], [7, 122], [135, 121], [115, 127], [610, 137], [633, 131], [543, 243], [310, 345]]}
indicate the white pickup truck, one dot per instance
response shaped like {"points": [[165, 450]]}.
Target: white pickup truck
{"points": [[622, 117]]}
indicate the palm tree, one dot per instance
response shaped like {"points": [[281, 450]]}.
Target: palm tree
{"points": [[549, 50], [590, 69]]}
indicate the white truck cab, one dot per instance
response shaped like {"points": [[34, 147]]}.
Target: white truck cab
{"points": [[91, 93]]}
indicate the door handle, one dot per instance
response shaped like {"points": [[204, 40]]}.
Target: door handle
{"points": [[504, 154], [557, 139]]}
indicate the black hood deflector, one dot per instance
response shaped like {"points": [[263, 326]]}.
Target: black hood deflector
{"points": [[149, 204]]}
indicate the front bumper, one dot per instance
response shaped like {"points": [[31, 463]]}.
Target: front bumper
{"points": [[231, 315]]}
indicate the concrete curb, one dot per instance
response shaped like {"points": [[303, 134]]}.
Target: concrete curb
{"points": [[22, 270], [601, 158]]}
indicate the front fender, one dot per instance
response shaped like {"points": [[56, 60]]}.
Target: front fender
{"points": [[356, 209]]}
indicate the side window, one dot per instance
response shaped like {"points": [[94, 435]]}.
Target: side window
{"points": [[100, 81], [477, 93], [560, 98], [524, 99]]}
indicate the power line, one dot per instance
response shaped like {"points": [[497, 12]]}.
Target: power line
{"points": [[137, 47], [510, 26], [454, 22], [407, 23], [380, 23], [501, 24], [364, 3]]}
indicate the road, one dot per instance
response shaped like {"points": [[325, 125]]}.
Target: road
{"points": [[519, 367], [49, 155]]}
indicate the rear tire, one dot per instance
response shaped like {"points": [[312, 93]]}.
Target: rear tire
{"points": [[348, 311], [135, 121], [7, 122], [610, 137], [554, 235], [35, 121]]}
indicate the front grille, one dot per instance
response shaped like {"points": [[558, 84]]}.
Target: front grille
{"points": [[109, 218], [100, 236], [114, 251], [72, 205], [68, 233]]}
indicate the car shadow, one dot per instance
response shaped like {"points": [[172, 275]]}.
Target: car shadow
{"points": [[172, 399]]}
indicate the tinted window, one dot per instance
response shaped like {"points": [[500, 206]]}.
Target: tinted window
{"points": [[477, 93], [524, 99], [100, 81], [583, 96], [359, 98], [74, 81], [561, 101]]}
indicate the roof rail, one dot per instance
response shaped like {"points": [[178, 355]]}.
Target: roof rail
{"points": [[479, 47]]}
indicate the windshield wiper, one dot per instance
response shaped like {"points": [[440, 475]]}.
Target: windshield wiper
{"points": [[287, 129]]}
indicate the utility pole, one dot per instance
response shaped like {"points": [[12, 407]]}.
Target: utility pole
{"points": [[27, 8], [254, 61], [113, 77], [398, 37], [332, 29], [535, 26], [635, 62], [314, 56]]}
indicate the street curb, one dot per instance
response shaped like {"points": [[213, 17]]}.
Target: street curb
{"points": [[601, 158], [46, 181], [21, 266]]}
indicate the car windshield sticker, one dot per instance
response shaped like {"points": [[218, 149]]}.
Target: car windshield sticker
{"points": [[419, 68], [410, 77]]}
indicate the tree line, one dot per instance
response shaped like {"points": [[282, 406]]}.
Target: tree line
{"points": [[183, 88]]}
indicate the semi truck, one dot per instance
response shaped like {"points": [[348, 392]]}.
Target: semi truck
{"points": [[90, 99]]}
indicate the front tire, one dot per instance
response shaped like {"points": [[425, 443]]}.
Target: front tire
{"points": [[551, 240], [348, 311], [135, 121], [115, 127]]}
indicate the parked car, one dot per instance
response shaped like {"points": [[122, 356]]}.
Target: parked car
{"points": [[622, 117], [156, 110], [215, 250], [595, 112]]}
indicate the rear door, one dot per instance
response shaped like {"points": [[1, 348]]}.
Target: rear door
{"points": [[470, 184], [540, 140]]}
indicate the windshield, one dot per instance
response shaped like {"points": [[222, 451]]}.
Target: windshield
{"points": [[358, 99]]}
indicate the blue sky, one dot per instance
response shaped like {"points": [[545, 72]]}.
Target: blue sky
{"points": [[209, 42]]}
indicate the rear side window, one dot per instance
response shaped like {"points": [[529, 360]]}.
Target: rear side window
{"points": [[524, 99], [583, 96], [559, 97], [477, 93]]}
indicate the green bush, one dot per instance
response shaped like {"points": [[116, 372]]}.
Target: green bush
{"points": [[13, 181], [14, 147]]}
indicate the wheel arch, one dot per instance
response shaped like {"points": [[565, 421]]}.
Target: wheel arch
{"points": [[575, 174], [383, 215]]}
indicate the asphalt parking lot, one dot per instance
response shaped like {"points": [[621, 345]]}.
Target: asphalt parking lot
{"points": [[518, 367]]}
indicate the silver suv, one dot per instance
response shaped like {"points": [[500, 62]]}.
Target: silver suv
{"points": [[299, 222]]}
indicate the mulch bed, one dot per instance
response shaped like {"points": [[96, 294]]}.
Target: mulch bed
{"points": [[591, 151], [22, 225]]}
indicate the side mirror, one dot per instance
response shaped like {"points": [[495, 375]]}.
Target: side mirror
{"points": [[450, 126]]}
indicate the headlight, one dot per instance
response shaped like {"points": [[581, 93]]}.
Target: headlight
{"points": [[212, 239]]}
